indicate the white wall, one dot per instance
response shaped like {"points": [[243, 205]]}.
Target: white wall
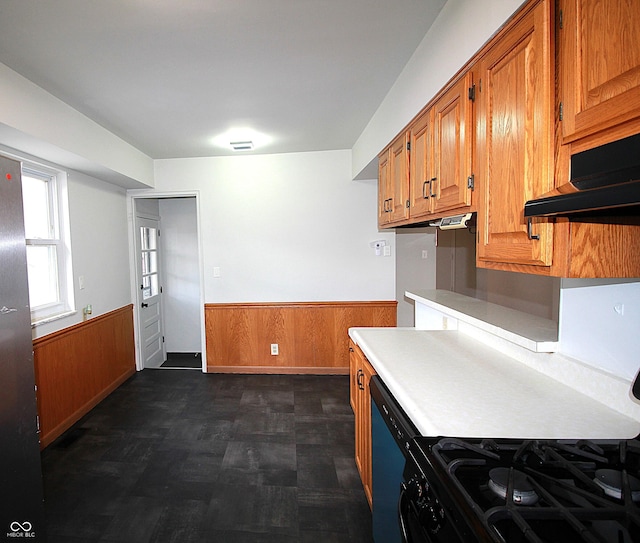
{"points": [[99, 246], [180, 275], [286, 227], [460, 30], [415, 268], [600, 325]]}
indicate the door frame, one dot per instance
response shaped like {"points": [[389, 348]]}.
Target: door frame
{"points": [[150, 194]]}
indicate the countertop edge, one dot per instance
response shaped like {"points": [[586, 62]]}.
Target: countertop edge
{"points": [[545, 340]]}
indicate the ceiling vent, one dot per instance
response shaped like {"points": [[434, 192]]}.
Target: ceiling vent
{"points": [[242, 145]]}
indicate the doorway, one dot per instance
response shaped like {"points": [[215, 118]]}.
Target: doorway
{"points": [[181, 307]]}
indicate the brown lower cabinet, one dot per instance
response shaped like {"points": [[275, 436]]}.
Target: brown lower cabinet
{"points": [[361, 373]]}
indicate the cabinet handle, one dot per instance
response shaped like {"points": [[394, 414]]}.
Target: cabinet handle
{"points": [[424, 189], [530, 230], [431, 184], [360, 376]]}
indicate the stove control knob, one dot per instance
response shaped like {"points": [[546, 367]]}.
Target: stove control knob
{"points": [[415, 489], [431, 516]]}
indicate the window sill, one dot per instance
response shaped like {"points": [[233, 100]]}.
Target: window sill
{"points": [[52, 318]]}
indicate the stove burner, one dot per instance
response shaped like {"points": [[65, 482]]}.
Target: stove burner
{"points": [[610, 481], [523, 491]]}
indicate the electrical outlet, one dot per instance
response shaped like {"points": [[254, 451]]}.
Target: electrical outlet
{"points": [[274, 349]]}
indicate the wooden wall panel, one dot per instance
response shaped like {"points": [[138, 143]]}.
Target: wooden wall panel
{"points": [[79, 366], [312, 336]]}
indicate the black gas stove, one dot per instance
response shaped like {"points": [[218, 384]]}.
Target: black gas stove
{"points": [[470, 490]]}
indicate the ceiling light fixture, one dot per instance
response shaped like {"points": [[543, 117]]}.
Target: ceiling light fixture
{"points": [[239, 139], [241, 145]]}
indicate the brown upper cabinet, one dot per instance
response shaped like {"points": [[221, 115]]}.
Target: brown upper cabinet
{"points": [[599, 65], [441, 153], [429, 165], [514, 141], [532, 110], [393, 182]]}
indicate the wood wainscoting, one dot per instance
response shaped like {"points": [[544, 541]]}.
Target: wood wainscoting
{"points": [[312, 337], [79, 366]]}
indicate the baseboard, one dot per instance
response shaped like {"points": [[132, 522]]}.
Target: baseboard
{"points": [[272, 370]]}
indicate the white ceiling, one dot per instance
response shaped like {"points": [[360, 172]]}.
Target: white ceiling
{"points": [[168, 76]]}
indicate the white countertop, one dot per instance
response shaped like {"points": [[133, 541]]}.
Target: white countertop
{"points": [[529, 331], [450, 384]]}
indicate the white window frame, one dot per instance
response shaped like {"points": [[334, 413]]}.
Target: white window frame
{"points": [[59, 212]]}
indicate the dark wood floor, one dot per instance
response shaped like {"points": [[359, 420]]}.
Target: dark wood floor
{"points": [[182, 456]]}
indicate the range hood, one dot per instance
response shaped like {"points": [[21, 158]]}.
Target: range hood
{"points": [[605, 181]]}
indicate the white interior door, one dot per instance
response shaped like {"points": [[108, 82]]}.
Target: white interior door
{"points": [[150, 292]]}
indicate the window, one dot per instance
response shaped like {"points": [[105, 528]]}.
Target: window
{"points": [[149, 255], [47, 236]]}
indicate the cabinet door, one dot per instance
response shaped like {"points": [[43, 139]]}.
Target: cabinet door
{"points": [[358, 378], [514, 141], [383, 188], [600, 64], [452, 146], [421, 165], [399, 182], [353, 371], [361, 375], [367, 469]]}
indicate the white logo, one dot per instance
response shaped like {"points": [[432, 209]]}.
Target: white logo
{"points": [[21, 529], [25, 526]]}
